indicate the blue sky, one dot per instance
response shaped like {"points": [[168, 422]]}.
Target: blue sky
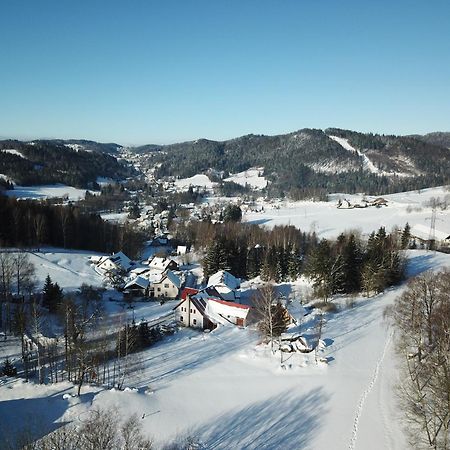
{"points": [[165, 71]]}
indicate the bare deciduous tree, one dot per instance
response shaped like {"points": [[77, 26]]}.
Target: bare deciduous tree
{"points": [[422, 318]]}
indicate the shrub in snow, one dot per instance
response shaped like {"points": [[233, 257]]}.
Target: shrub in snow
{"points": [[8, 369]]}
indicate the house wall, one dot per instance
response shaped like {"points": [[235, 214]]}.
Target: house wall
{"points": [[188, 315], [160, 289]]}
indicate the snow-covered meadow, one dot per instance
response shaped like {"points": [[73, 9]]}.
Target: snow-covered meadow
{"points": [[43, 192], [328, 221]]}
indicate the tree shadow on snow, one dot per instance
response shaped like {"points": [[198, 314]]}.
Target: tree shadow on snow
{"points": [[418, 264], [284, 421], [30, 418]]}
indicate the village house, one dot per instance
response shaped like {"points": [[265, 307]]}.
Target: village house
{"points": [[424, 235], [117, 262], [162, 264], [168, 286], [226, 284], [137, 287], [206, 309]]}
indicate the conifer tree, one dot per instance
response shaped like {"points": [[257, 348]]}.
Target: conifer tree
{"points": [[406, 236]]}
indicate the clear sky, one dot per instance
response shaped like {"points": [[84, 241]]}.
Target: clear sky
{"points": [[137, 72]]}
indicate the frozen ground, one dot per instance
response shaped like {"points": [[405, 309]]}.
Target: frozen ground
{"points": [[328, 221], [48, 191], [230, 393]]}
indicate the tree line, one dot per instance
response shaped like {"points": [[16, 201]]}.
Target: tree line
{"points": [[27, 223], [344, 265]]}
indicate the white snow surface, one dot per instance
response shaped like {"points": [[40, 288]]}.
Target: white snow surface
{"points": [[197, 180], [250, 177], [48, 191], [328, 221], [228, 392], [70, 268], [14, 152]]}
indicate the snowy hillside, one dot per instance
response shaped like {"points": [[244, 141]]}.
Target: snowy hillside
{"points": [[251, 177], [70, 268], [227, 392]]}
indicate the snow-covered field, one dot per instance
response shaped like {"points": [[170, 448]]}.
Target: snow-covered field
{"points": [[250, 177], [197, 180], [228, 392], [328, 221], [70, 268], [48, 191]]}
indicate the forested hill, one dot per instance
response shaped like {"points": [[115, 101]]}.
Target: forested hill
{"points": [[310, 159], [48, 162], [438, 138], [86, 145]]}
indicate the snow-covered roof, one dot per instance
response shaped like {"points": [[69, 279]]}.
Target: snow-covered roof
{"points": [[138, 281], [119, 259], [175, 279], [224, 278], [160, 263], [423, 232]]}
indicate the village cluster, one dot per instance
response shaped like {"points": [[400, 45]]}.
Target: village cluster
{"points": [[218, 301]]}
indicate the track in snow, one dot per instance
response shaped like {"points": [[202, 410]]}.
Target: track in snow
{"points": [[365, 394]]}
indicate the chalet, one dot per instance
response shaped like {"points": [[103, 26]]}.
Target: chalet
{"points": [[162, 264], [137, 287], [206, 309], [117, 262], [344, 204], [425, 235], [168, 286], [226, 284]]}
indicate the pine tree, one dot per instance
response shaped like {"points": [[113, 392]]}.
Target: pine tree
{"points": [[406, 236], [216, 258], [8, 369], [47, 292]]}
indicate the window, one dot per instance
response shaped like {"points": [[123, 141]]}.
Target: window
{"points": [[181, 318], [166, 286], [191, 310], [158, 289], [194, 321]]}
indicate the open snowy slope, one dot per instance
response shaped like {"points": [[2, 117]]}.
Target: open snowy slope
{"points": [[69, 268], [328, 221], [227, 393], [48, 191]]}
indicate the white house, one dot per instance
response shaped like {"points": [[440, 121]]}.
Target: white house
{"points": [[226, 284], [206, 309], [117, 262], [424, 233], [181, 250], [168, 286]]}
